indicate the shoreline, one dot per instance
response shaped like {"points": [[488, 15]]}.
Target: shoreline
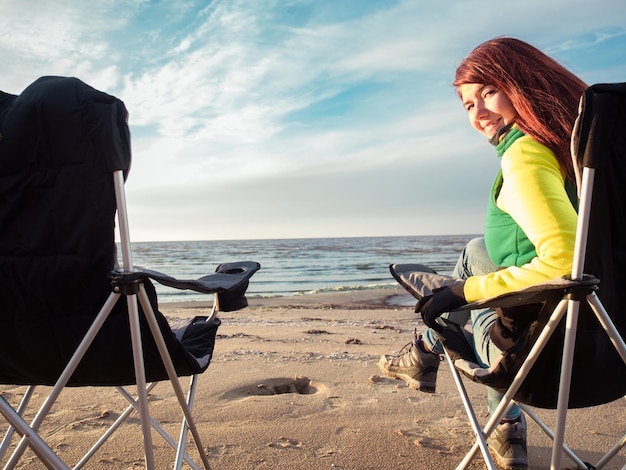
{"points": [[385, 298]]}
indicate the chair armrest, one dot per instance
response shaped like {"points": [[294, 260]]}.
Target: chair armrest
{"points": [[536, 293], [227, 277], [420, 281]]}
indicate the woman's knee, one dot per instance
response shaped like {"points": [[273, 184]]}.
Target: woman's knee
{"points": [[475, 259]]}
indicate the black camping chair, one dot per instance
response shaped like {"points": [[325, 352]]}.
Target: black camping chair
{"points": [[69, 315], [576, 339]]}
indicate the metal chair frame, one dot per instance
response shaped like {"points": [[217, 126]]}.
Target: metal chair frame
{"points": [[135, 295]]}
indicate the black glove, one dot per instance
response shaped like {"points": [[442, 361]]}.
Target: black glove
{"points": [[443, 299]]}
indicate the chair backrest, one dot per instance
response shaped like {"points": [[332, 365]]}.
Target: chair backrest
{"points": [[598, 144], [60, 142]]}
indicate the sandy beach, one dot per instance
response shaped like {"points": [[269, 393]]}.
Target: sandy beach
{"points": [[294, 384]]}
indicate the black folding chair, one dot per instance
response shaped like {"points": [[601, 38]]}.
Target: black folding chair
{"points": [[70, 315]]}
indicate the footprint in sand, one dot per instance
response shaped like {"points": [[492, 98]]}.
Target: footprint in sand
{"points": [[299, 385], [441, 434], [276, 386], [97, 421], [285, 443], [334, 402], [225, 449]]}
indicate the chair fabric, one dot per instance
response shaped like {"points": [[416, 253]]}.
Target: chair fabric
{"points": [[60, 141], [599, 142]]}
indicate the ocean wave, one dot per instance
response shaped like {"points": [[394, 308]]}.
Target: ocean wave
{"points": [[322, 290]]}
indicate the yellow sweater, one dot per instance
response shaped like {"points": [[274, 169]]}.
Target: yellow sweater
{"points": [[533, 194]]}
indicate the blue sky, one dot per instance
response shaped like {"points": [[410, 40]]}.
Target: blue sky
{"points": [[298, 118]]}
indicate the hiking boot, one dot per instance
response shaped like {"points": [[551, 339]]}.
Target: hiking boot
{"points": [[508, 443], [412, 364]]}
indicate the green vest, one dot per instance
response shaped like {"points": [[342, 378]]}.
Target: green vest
{"points": [[506, 242]]}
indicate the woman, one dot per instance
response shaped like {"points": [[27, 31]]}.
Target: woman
{"points": [[525, 103]]}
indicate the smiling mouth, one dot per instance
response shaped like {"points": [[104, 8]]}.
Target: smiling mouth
{"points": [[492, 126]]}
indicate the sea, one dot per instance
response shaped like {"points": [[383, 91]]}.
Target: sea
{"points": [[305, 266]]}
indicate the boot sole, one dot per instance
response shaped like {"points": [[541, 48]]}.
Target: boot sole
{"points": [[410, 381]]}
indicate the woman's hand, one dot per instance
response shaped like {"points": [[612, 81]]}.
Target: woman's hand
{"points": [[443, 299]]}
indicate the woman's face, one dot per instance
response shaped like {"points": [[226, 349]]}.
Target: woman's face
{"points": [[487, 107]]}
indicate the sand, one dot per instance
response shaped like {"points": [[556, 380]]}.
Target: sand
{"points": [[294, 384]]}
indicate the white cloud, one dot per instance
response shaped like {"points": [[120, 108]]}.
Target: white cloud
{"points": [[292, 113], [57, 38]]}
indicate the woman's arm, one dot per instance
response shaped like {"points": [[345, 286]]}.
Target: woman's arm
{"points": [[533, 193]]}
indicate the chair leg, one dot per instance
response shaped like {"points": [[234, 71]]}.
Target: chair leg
{"points": [[507, 399], [140, 377], [478, 433], [571, 324], [180, 452], [171, 372]]}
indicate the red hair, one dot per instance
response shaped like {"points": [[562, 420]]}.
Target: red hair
{"points": [[543, 92]]}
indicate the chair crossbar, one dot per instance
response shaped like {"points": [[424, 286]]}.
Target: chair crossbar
{"points": [[6, 441], [30, 438], [546, 429], [118, 422], [607, 324], [612, 452], [134, 406]]}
